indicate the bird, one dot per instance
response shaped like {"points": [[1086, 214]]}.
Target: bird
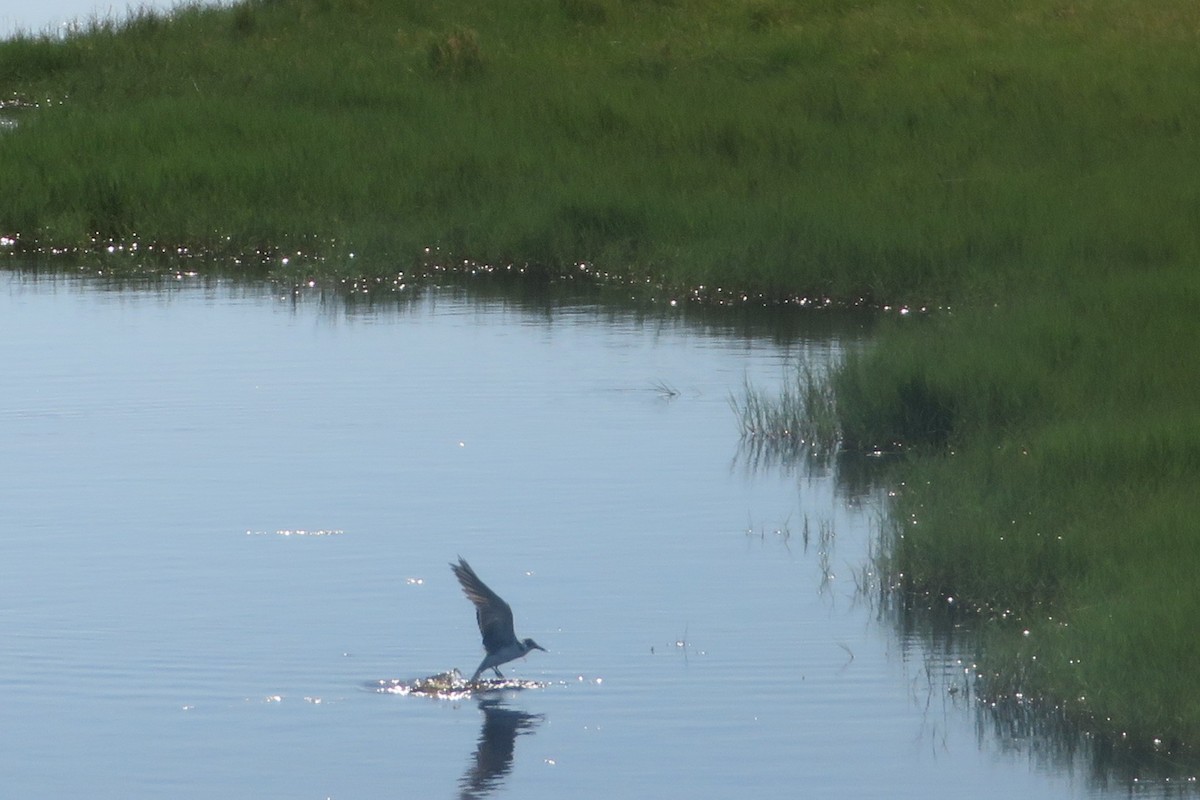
{"points": [[495, 620]]}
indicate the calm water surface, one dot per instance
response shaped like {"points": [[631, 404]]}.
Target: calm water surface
{"points": [[226, 509]]}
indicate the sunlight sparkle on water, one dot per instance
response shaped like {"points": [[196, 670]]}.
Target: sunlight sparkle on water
{"points": [[297, 532], [449, 686]]}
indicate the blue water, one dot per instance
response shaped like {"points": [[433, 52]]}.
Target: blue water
{"points": [[227, 508]]}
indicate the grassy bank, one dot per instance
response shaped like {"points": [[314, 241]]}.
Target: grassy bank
{"points": [[1055, 489], [1044, 493], [878, 149], [1031, 164]]}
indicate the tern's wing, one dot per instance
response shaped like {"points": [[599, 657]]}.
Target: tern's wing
{"points": [[493, 614]]}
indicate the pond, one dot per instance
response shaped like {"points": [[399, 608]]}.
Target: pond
{"points": [[229, 510]]}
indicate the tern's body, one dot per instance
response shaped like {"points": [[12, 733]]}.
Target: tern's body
{"points": [[495, 620]]}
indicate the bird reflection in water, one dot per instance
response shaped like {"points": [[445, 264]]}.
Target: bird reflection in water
{"points": [[494, 752]]}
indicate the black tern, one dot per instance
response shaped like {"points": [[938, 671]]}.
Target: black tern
{"points": [[495, 620]]}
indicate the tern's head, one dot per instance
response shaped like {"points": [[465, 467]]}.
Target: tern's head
{"points": [[530, 644]]}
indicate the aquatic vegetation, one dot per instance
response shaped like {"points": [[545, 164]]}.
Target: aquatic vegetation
{"points": [[799, 418], [1054, 732], [1057, 499], [665, 390]]}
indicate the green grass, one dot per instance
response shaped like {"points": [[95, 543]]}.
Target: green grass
{"points": [[1028, 166], [869, 149], [797, 423], [1058, 452]]}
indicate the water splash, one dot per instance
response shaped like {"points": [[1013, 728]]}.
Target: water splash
{"points": [[449, 686]]}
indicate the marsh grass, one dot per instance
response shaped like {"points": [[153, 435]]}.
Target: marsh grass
{"points": [[1055, 732], [1058, 499], [665, 390], [878, 150], [456, 54], [1047, 493], [798, 418]]}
